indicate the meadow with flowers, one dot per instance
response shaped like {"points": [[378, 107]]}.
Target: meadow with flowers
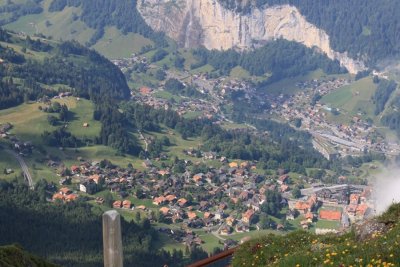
{"points": [[379, 247]]}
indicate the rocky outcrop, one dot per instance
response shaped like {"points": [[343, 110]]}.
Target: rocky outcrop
{"points": [[206, 22]]}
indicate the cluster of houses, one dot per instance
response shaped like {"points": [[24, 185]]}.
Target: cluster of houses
{"points": [[65, 194], [330, 138], [223, 200], [21, 147], [344, 204]]}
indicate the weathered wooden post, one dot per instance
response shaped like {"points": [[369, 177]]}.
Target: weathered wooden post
{"points": [[112, 241]]}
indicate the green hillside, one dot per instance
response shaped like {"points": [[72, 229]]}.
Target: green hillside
{"points": [[14, 256], [114, 28], [374, 243]]}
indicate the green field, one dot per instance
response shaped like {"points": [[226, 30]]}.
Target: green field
{"points": [[288, 85], [8, 162], [61, 26], [353, 99], [327, 224], [115, 44]]}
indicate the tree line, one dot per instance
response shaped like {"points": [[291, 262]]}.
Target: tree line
{"points": [[280, 59]]}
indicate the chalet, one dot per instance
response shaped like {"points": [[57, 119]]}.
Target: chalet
{"points": [[58, 196], [182, 202], [208, 215], [302, 207], [164, 210], [284, 188], [230, 221], [354, 199], [117, 204], [241, 227], [75, 169], [198, 177], [219, 215], [210, 155], [64, 191], [170, 198], [191, 215], [158, 200], [248, 216], [233, 164], [71, 197], [283, 179], [96, 178], [225, 230], [126, 204], [244, 165], [309, 216]]}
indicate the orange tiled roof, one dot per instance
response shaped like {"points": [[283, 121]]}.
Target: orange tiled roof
{"points": [[362, 209], [117, 204], [65, 190], [191, 215], [170, 197], [71, 197], [331, 215], [164, 210], [58, 196], [300, 205]]}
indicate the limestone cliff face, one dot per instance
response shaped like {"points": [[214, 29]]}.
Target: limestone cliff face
{"points": [[206, 22]]}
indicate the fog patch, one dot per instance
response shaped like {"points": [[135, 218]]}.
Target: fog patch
{"points": [[386, 189]]}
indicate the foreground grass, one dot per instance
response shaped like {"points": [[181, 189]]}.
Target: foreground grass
{"points": [[380, 248]]}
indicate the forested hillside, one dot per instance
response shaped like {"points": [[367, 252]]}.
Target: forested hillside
{"points": [[366, 29], [34, 69], [98, 14], [69, 234], [281, 59], [14, 256]]}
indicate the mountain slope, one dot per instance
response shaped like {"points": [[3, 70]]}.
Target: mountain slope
{"points": [[208, 23], [365, 29], [373, 243], [13, 256]]}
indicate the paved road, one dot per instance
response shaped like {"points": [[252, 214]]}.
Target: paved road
{"points": [[24, 167]]}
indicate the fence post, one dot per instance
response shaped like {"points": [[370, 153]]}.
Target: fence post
{"points": [[112, 241]]}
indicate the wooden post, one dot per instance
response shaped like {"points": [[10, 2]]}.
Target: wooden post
{"points": [[112, 241]]}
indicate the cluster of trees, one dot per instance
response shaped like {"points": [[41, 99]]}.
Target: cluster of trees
{"points": [[60, 138], [176, 87], [281, 58], [98, 14], [382, 94], [359, 27], [73, 231], [114, 129]]}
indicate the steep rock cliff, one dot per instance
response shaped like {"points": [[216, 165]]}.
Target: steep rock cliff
{"points": [[206, 22]]}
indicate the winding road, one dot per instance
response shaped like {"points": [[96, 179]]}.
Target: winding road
{"points": [[24, 167]]}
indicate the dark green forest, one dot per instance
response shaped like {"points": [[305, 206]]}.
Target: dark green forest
{"points": [[70, 234], [15, 256], [281, 59], [366, 29]]}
